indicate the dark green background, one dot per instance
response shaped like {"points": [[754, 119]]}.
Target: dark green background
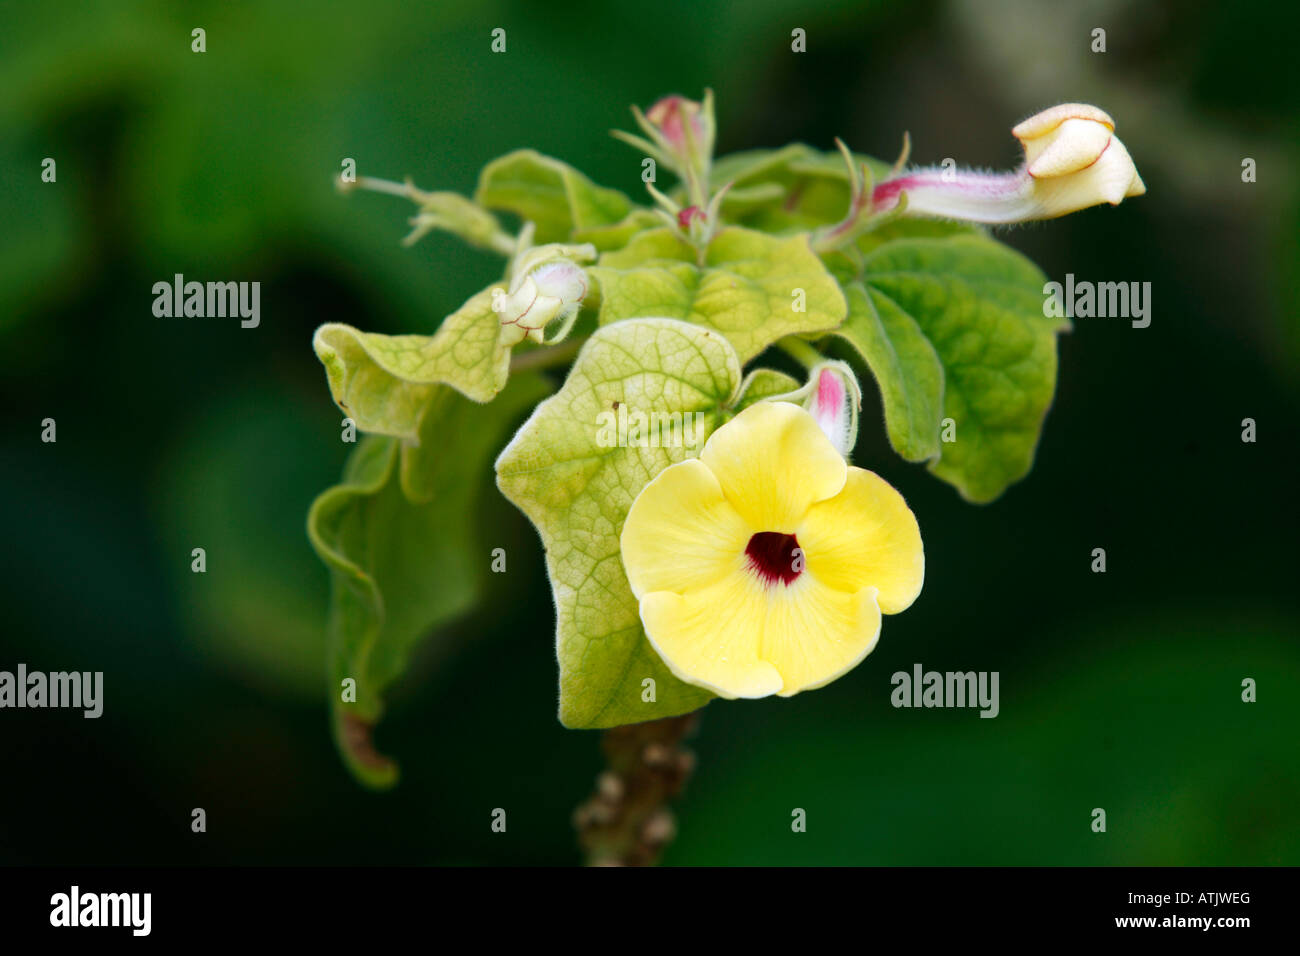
{"points": [[1119, 691]]}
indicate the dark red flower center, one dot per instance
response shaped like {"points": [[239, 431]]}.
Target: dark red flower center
{"points": [[775, 557]]}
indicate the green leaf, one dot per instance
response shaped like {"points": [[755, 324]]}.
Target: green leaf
{"points": [[957, 319], [605, 238], [745, 288], [905, 228], [576, 484], [906, 367], [751, 166], [385, 382], [399, 538], [555, 197], [792, 189]]}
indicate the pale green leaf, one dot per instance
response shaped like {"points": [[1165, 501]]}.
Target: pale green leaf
{"points": [[749, 287], [576, 486], [752, 166], [618, 235], [384, 382], [792, 189], [555, 197]]}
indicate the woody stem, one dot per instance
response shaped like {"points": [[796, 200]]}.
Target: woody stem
{"points": [[626, 822]]}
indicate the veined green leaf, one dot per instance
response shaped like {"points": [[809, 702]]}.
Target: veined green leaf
{"points": [[574, 473], [555, 197], [792, 189], [618, 235], [906, 368], [751, 287], [385, 382], [952, 327]]}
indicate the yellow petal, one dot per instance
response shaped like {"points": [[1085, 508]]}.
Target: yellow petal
{"points": [[1112, 177], [865, 536], [1042, 123], [681, 533], [710, 637], [1074, 145], [773, 462], [1117, 166], [741, 638], [814, 633]]}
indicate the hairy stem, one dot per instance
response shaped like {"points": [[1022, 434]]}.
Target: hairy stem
{"points": [[626, 822], [801, 351], [406, 190], [457, 215]]}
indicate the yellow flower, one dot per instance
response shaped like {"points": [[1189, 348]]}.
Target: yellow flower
{"points": [[1076, 159], [763, 566]]}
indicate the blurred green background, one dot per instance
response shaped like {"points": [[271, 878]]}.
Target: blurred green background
{"points": [[1119, 691]]}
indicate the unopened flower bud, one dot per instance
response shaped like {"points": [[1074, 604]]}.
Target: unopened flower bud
{"points": [[684, 125], [547, 288], [833, 401], [1073, 160], [679, 134]]}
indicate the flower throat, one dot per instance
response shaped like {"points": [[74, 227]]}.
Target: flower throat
{"points": [[772, 556]]}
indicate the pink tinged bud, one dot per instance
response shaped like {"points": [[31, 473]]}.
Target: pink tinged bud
{"points": [[1073, 160], [669, 116], [685, 216], [833, 401]]}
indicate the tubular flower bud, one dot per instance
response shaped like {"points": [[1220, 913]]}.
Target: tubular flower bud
{"points": [[1073, 160]]}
